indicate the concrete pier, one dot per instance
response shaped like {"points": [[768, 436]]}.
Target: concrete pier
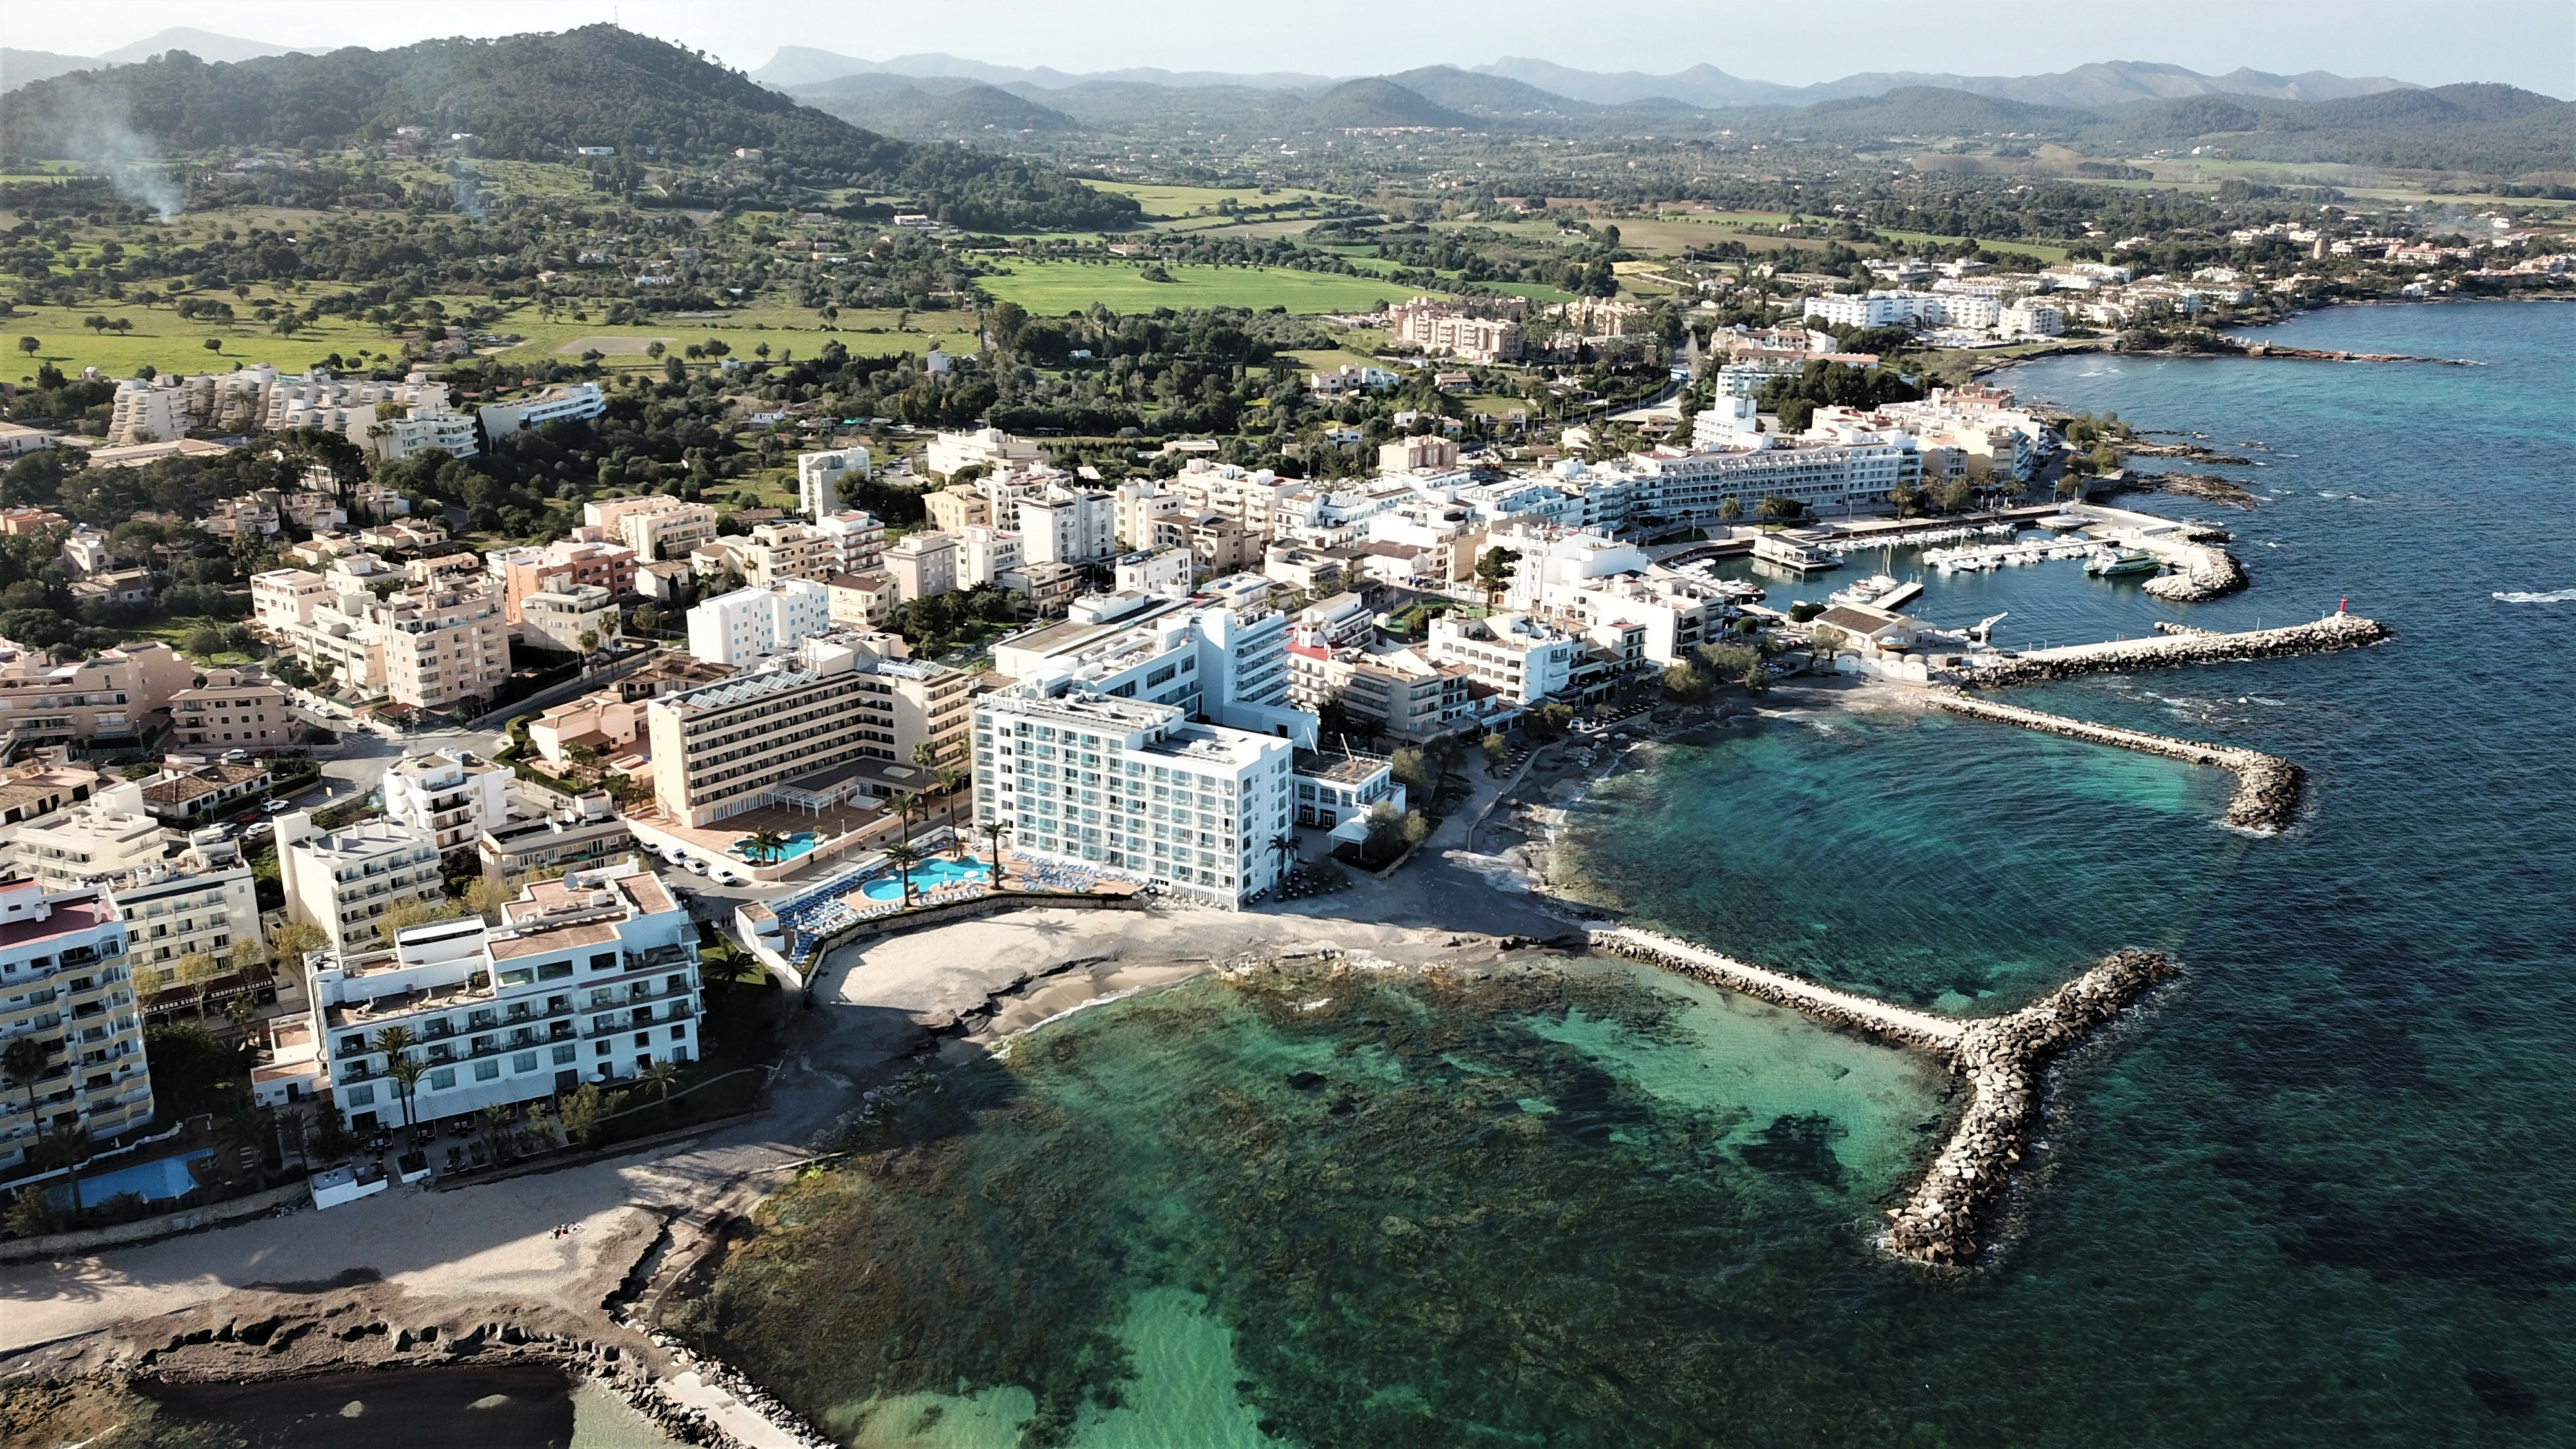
{"points": [[2267, 786], [1946, 1218], [2038, 666]]}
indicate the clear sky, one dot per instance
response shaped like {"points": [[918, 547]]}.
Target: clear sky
{"points": [[2530, 43]]}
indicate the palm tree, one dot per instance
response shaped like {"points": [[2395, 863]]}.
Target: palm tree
{"points": [[66, 1147], [993, 831], [22, 1061], [904, 803], [903, 858], [659, 1077], [1284, 846], [767, 845], [394, 1042], [926, 755]]}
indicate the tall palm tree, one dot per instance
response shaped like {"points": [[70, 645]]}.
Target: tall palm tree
{"points": [[903, 858], [394, 1042], [659, 1077], [768, 844], [904, 803], [66, 1147], [993, 831], [1284, 846], [22, 1061]]}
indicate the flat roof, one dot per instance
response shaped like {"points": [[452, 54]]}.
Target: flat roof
{"points": [[892, 774]]}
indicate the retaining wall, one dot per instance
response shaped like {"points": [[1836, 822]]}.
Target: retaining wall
{"points": [[146, 1230]]}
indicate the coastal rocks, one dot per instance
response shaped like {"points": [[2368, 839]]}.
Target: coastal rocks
{"points": [[1946, 1218], [2267, 787], [2042, 666], [2207, 487], [2207, 573]]}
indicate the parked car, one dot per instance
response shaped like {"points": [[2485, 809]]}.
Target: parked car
{"points": [[727, 878], [278, 807], [693, 865]]}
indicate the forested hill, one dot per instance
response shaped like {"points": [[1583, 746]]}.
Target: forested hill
{"points": [[532, 97]]}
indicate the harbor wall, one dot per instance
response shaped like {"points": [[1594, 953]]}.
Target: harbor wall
{"points": [[2267, 787], [2041, 666]]}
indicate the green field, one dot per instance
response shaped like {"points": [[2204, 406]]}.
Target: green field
{"points": [[169, 343], [1166, 203], [1054, 288]]}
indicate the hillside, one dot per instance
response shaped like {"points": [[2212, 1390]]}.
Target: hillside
{"points": [[529, 97], [1928, 111], [2469, 127], [1374, 101], [929, 108]]}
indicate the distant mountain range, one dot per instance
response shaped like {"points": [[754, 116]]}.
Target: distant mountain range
{"points": [[2087, 87], [18, 67]]}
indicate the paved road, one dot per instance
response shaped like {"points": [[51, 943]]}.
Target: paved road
{"points": [[365, 756]]}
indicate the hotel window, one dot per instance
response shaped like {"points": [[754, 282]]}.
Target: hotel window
{"points": [[442, 1079]]}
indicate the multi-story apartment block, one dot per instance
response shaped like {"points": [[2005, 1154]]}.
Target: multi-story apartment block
{"points": [[989, 448], [862, 601], [1048, 588], [818, 479], [285, 598], [200, 903], [447, 797], [563, 564], [1255, 501], [958, 507], [1417, 454], [444, 646], [106, 695], [587, 978], [751, 624], [1397, 692], [656, 526], [776, 552], [923, 564], [1453, 329], [726, 748], [64, 984], [344, 881], [1165, 572], [1525, 658], [1067, 526], [93, 842], [1222, 661], [1130, 785], [569, 618], [564, 401], [1143, 510], [984, 554], [1676, 613], [857, 540], [235, 709]]}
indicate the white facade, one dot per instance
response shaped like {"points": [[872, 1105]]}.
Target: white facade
{"points": [[1220, 662], [560, 618], [344, 881], [1163, 572], [1525, 658], [1089, 779], [1068, 526], [91, 843], [568, 400], [449, 796], [984, 554], [987, 447], [65, 982], [857, 539], [588, 978], [2032, 319], [751, 624], [818, 479], [181, 908]]}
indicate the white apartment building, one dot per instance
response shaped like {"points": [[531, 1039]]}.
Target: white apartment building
{"points": [[2032, 319], [818, 479], [1068, 526], [984, 554], [65, 984], [434, 647], [448, 797], [343, 881], [571, 618], [1133, 786], [1145, 512], [91, 843], [1677, 613], [656, 525], [751, 624], [856, 538], [588, 978], [1848, 467], [1256, 501], [791, 728], [202, 903], [1526, 658], [1224, 662], [1164, 573], [986, 447], [557, 403]]}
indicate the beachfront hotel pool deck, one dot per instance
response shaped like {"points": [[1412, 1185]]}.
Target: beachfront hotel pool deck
{"points": [[872, 888]]}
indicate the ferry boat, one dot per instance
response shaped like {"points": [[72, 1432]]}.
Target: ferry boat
{"points": [[2116, 562]]}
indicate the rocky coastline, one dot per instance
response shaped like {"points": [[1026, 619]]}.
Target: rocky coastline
{"points": [[2208, 572], [1948, 1218], [2267, 786], [2043, 666]]}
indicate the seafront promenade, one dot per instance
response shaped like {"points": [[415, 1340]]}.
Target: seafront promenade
{"points": [[1947, 1217]]}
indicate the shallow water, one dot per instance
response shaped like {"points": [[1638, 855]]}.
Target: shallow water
{"points": [[2321, 1192]]}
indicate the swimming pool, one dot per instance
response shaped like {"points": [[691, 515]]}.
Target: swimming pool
{"points": [[153, 1181], [930, 875], [800, 843]]}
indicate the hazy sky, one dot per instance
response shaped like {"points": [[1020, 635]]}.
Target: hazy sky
{"points": [[2528, 43]]}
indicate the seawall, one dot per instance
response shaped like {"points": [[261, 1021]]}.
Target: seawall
{"points": [[2267, 786], [2164, 651], [1947, 1217]]}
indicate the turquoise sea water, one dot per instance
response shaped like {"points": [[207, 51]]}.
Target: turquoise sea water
{"points": [[2322, 1192]]}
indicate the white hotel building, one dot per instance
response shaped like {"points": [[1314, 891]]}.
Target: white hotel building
{"points": [[587, 978], [752, 624], [1135, 787], [64, 983]]}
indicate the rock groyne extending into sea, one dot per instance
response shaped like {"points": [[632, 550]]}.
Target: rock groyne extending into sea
{"points": [[1947, 1218], [2267, 786], [2040, 666]]}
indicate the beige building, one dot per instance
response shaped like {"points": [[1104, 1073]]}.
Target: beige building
{"points": [[862, 601], [43, 702], [235, 709], [780, 733], [655, 526], [1406, 455], [923, 564], [433, 647], [344, 881], [777, 552], [571, 619], [1452, 329], [1049, 587], [957, 508]]}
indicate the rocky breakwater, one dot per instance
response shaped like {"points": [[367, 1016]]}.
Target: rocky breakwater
{"points": [[2206, 572], [2005, 1061], [2041, 666], [2267, 786]]}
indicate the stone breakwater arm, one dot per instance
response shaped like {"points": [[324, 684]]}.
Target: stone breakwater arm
{"points": [[2005, 1059], [2267, 786], [2039, 666]]}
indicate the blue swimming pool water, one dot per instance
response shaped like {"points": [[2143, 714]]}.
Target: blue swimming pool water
{"points": [[800, 843], [927, 876], [165, 1177]]}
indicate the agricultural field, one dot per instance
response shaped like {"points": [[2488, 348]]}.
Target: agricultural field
{"points": [[1170, 203], [1056, 287], [167, 342]]}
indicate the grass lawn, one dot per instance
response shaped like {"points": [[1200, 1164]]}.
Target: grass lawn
{"points": [[169, 342], [1054, 288], [1166, 203], [1535, 291], [2049, 254]]}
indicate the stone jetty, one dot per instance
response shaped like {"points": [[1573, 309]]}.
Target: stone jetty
{"points": [[2267, 786], [1946, 1218], [2040, 666], [2205, 572]]}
